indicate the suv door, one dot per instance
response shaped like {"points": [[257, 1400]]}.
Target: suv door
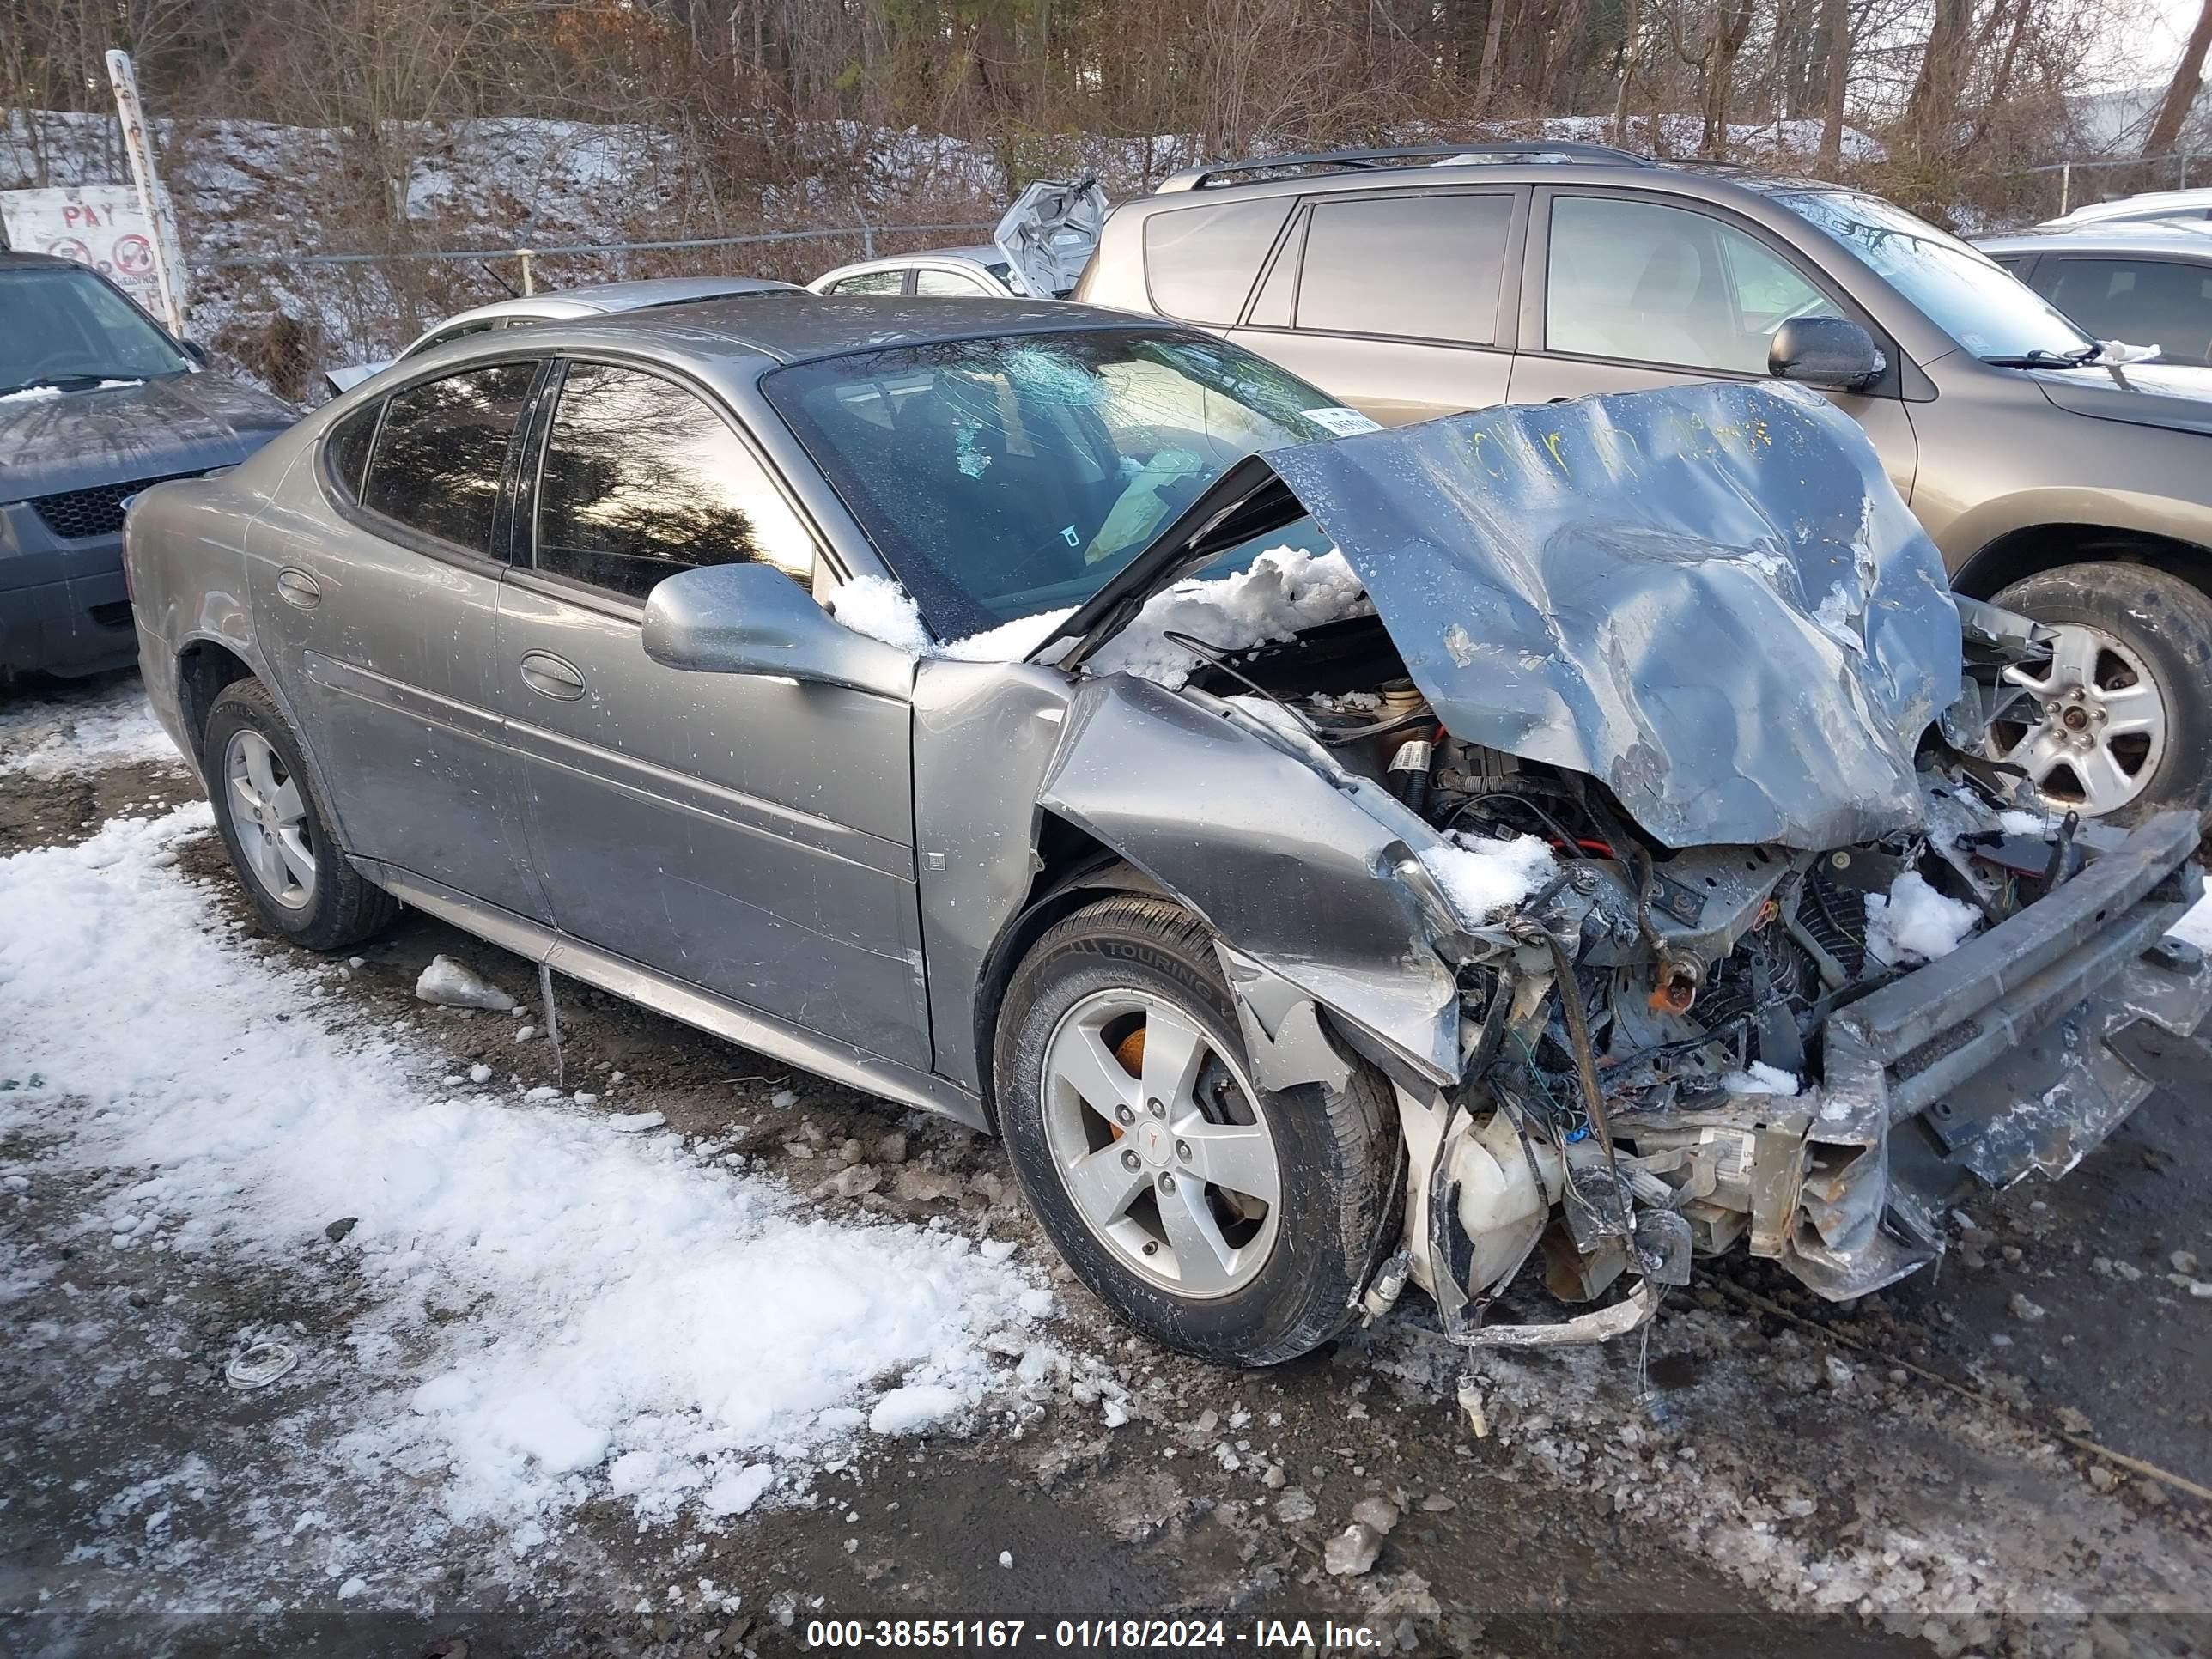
{"points": [[376, 598], [1397, 302], [749, 835], [1621, 293]]}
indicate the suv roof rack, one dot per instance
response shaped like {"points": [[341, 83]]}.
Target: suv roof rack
{"points": [[1199, 178]]}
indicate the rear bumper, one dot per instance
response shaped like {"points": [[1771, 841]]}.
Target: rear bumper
{"points": [[2016, 1054], [62, 608]]}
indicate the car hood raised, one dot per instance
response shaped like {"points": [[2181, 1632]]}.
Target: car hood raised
{"points": [[153, 429], [1710, 598], [2174, 395]]}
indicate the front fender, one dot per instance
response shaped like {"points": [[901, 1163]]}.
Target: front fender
{"points": [[1295, 870]]}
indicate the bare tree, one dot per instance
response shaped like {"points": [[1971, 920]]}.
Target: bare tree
{"points": [[2181, 91]]}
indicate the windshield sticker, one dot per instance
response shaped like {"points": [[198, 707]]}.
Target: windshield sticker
{"points": [[1342, 421]]}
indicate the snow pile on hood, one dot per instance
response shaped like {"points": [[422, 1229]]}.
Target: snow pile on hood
{"points": [[1483, 876], [75, 732], [559, 1311], [1285, 591], [1915, 923]]}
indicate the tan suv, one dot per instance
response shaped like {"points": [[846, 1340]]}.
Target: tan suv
{"points": [[1414, 282]]}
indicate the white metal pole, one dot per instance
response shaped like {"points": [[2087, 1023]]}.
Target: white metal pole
{"points": [[168, 261]]}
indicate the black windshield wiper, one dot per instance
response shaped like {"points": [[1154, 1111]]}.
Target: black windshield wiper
{"points": [[2041, 359]]}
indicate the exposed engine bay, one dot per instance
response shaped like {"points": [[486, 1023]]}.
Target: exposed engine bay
{"points": [[1642, 836]]}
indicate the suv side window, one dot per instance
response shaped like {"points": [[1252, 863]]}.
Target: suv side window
{"points": [[1439, 259], [1643, 283], [2159, 302], [1199, 263], [442, 447], [641, 480]]}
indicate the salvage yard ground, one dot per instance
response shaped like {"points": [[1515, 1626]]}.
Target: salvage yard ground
{"points": [[654, 1346]]}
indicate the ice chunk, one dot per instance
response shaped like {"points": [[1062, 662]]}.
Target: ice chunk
{"points": [[452, 983]]}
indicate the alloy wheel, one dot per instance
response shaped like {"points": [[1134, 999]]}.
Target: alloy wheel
{"points": [[2089, 728], [269, 815]]}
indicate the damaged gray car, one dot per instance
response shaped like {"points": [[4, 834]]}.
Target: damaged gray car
{"points": [[1334, 860]]}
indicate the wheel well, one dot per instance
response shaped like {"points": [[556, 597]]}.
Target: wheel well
{"points": [[204, 669], [1074, 868], [2030, 552]]}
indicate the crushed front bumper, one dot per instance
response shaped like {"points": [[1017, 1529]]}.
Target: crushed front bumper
{"points": [[2015, 1054]]}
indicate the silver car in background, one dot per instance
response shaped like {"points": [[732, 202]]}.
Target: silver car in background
{"points": [[1335, 860]]}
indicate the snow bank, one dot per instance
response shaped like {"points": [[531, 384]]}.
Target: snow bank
{"points": [[1482, 876], [75, 732], [1285, 591], [559, 1310], [1915, 923]]}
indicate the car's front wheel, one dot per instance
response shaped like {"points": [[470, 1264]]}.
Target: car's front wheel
{"points": [[1216, 1218], [2119, 724], [277, 829]]}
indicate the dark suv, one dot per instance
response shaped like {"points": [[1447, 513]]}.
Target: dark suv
{"points": [[97, 401], [1412, 282]]}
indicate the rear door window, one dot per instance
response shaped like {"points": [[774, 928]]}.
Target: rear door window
{"points": [[440, 453], [642, 479], [948, 284], [871, 282], [1199, 263], [2161, 302], [1427, 267]]}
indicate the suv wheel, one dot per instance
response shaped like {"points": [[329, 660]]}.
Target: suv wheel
{"points": [[1217, 1218], [277, 829], [2120, 724]]}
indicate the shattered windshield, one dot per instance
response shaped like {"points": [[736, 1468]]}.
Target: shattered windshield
{"points": [[1005, 476], [67, 330]]}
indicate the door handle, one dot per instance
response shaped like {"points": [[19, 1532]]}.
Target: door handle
{"points": [[550, 677], [295, 586]]}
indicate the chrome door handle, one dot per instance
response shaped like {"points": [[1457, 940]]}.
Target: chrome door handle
{"points": [[550, 677], [295, 586]]}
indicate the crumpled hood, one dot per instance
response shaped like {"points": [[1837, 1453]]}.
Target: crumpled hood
{"points": [[1709, 597], [156, 428], [2175, 395]]}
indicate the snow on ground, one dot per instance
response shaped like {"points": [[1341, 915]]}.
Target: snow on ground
{"points": [[80, 729], [559, 1310]]}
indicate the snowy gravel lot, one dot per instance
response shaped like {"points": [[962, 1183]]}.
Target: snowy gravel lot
{"points": [[678, 1350]]}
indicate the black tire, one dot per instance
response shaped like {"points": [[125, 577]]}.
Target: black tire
{"points": [[2165, 623], [345, 908], [1336, 1151]]}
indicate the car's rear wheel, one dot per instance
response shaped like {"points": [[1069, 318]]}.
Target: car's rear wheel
{"points": [[2119, 725], [1216, 1218], [276, 827]]}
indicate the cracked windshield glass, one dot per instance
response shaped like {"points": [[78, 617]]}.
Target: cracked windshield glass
{"points": [[1001, 477]]}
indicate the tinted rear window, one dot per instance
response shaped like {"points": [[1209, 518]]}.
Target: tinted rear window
{"points": [[1199, 263], [1436, 258]]}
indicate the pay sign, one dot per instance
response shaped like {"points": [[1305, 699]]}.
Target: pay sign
{"points": [[102, 226]]}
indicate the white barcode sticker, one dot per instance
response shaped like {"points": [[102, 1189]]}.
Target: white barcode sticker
{"points": [[1342, 421]]}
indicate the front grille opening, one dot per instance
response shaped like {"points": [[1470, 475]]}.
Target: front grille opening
{"points": [[79, 514]]}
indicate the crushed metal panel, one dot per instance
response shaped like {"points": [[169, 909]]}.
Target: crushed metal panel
{"points": [[1292, 872], [1710, 597]]}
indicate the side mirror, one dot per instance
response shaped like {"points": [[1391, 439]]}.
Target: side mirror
{"points": [[753, 619], [196, 351], [1829, 352]]}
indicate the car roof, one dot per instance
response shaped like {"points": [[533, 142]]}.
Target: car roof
{"points": [[2186, 238], [607, 298], [23, 258], [976, 254], [2146, 202], [832, 324]]}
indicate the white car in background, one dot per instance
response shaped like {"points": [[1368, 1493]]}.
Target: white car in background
{"points": [[1037, 252], [2150, 204], [566, 305]]}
